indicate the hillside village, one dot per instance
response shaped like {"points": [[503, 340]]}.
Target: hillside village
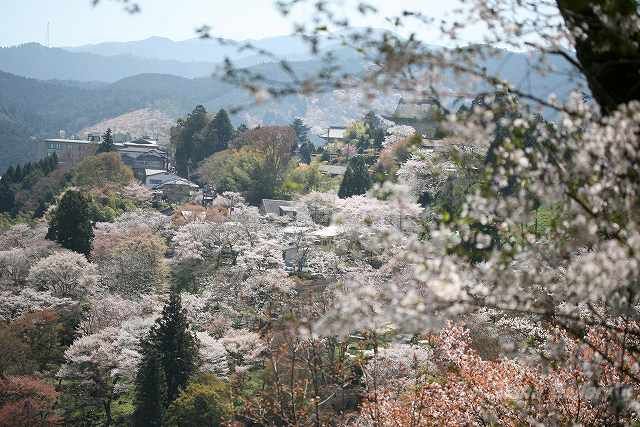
{"points": [[346, 226], [272, 215]]}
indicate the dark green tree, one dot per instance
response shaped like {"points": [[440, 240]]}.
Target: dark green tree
{"points": [[217, 136], [301, 130], [356, 179], [17, 174], [372, 121], [306, 150], [9, 175], [177, 346], [151, 388], [107, 144], [7, 198], [241, 129], [183, 140], [53, 161], [71, 224]]}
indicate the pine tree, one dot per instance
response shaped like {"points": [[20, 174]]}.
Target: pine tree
{"points": [[17, 174], [356, 179], [9, 175], [306, 150], [301, 130], [7, 198], [151, 389], [107, 144], [177, 346], [186, 150], [219, 132], [71, 223], [241, 129]]}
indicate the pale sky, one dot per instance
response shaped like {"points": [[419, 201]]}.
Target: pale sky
{"points": [[77, 22]]}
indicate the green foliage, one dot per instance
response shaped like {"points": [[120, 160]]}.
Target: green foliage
{"points": [[107, 144], [107, 206], [256, 166], [28, 189], [215, 137], [177, 346], [303, 179], [302, 132], [151, 389], [356, 179], [102, 170], [70, 224], [306, 149], [7, 198], [169, 360], [182, 138], [231, 170], [205, 402]]}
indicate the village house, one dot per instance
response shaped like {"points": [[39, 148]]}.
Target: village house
{"points": [[422, 114], [69, 151], [178, 190], [139, 154], [155, 177], [335, 134], [143, 154], [332, 170], [280, 208]]}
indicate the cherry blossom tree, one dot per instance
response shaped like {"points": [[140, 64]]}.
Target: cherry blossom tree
{"points": [[130, 262], [14, 305], [65, 274], [26, 400]]}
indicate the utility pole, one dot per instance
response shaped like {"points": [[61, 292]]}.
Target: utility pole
{"points": [[48, 34]]}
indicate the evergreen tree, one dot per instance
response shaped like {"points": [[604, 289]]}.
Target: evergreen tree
{"points": [[177, 346], [219, 132], [7, 198], [375, 131], [306, 150], [150, 399], [17, 174], [301, 130], [372, 121], [241, 129], [183, 139], [71, 224], [107, 144], [356, 179], [9, 175], [27, 169], [54, 161]]}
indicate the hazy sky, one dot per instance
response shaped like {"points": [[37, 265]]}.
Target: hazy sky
{"points": [[77, 22]]}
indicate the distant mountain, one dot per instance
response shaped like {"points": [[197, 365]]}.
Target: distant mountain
{"points": [[201, 50], [39, 62], [31, 108]]}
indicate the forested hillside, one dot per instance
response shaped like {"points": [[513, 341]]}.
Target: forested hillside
{"points": [[33, 108]]}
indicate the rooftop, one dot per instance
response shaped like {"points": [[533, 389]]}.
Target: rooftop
{"points": [[151, 172], [74, 141], [177, 181], [272, 206], [333, 169], [336, 132]]}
